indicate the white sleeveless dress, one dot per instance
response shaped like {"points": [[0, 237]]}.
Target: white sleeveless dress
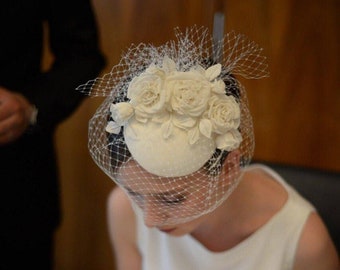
{"points": [[272, 247]]}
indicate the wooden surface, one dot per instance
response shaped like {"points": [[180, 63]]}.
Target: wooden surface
{"points": [[296, 111]]}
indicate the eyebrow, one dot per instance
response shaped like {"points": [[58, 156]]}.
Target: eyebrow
{"points": [[161, 194]]}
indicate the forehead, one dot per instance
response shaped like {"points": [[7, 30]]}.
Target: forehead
{"points": [[133, 177]]}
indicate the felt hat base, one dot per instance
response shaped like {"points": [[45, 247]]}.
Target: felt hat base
{"points": [[166, 157]]}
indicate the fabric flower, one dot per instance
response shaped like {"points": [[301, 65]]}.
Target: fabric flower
{"points": [[229, 141], [193, 100], [189, 92], [224, 113], [146, 93], [121, 112]]}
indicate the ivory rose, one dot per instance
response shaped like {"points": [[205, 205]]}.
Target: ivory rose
{"points": [[146, 93], [189, 92], [224, 113]]}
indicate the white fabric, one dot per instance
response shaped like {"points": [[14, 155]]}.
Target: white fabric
{"points": [[171, 157], [271, 247]]}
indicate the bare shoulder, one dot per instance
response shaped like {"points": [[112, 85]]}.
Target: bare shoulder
{"points": [[316, 250], [122, 230], [270, 194], [119, 206], [121, 220]]}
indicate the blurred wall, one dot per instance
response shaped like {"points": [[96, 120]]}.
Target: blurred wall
{"points": [[296, 111]]}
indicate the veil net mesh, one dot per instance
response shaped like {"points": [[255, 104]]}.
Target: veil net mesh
{"points": [[173, 200]]}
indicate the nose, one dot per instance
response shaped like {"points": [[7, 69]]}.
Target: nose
{"points": [[153, 215]]}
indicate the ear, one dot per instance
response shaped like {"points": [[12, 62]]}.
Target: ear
{"points": [[231, 164]]}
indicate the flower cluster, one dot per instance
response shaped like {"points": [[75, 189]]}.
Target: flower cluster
{"points": [[193, 100]]}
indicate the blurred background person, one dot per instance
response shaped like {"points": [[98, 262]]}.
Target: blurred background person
{"points": [[32, 104]]}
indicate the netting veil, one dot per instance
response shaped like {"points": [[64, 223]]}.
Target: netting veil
{"points": [[175, 130]]}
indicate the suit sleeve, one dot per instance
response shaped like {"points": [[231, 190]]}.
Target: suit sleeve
{"points": [[73, 39]]}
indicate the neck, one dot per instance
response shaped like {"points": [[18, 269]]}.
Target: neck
{"points": [[222, 215], [256, 199]]}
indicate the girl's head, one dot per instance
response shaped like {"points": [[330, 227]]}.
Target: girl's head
{"points": [[175, 129], [168, 201]]}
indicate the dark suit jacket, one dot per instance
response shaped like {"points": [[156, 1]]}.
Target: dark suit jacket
{"points": [[28, 171]]}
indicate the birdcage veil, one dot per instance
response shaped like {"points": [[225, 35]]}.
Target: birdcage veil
{"points": [[174, 129]]}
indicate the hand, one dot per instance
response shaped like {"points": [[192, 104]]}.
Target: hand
{"points": [[15, 113]]}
